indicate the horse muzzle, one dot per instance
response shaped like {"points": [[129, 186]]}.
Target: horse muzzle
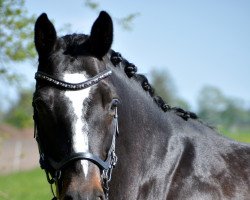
{"points": [[91, 195], [75, 186]]}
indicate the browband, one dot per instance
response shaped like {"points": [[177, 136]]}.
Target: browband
{"points": [[73, 86]]}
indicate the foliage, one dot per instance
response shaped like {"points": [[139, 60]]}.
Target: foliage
{"points": [[91, 4], [163, 84], [211, 101], [221, 110], [16, 34], [125, 22], [28, 185], [164, 87], [20, 115]]}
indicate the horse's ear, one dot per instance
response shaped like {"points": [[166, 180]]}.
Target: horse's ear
{"points": [[101, 35], [45, 35]]}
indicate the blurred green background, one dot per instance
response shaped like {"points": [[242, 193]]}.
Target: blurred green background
{"points": [[212, 102]]}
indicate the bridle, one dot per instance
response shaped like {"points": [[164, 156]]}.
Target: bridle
{"points": [[53, 168]]}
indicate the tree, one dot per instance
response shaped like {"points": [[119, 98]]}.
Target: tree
{"points": [[211, 102], [20, 115], [125, 22], [235, 115], [221, 110], [164, 87], [16, 35]]}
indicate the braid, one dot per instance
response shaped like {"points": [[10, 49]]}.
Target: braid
{"points": [[130, 70], [161, 103], [115, 58], [145, 84]]}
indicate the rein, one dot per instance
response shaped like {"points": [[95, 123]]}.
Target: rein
{"points": [[51, 167]]}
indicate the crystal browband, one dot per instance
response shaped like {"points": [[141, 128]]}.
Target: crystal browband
{"points": [[73, 86]]}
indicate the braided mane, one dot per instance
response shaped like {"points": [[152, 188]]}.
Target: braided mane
{"points": [[130, 70]]}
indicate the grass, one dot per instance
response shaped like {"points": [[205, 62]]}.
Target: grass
{"points": [[32, 185], [29, 185], [240, 135]]}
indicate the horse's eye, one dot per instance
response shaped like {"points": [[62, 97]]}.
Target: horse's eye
{"points": [[114, 103]]}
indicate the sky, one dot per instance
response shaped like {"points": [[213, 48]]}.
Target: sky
{"points": [[199, 42]]}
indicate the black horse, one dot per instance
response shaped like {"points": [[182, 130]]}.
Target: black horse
{"points": [[163, 152]]}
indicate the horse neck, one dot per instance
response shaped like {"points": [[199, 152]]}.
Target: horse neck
{"points": [[143, 128], [139, 115]]}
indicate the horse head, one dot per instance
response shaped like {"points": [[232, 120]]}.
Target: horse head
{"points": [[75, 109]]}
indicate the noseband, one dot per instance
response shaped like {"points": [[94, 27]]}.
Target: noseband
{"points": [[53, 168]]}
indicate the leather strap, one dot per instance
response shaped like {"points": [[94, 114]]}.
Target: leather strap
{"points": [[80, 156]]}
